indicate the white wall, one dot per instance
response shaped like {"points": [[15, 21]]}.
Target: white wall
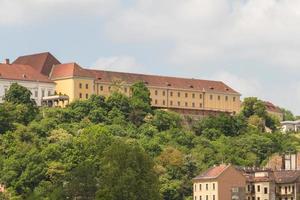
{"points": [[36, 88]]}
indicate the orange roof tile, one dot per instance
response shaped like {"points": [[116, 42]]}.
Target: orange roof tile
{"points": [[42, 62], [212, 172], [271, 107], [163, 81], [21, 72], [69, 70]]}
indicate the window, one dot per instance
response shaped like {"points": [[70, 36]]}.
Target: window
{"points": [[164, 102], [258, 188], [80, 95], [36, 93], [226, 98], [86, 86], [249, 188], [178, 103], [171, 103], [219, 97], [186, 104], [101, 87], [156, 92], [201, 105], [195, 187], [109, 88], [214, 186], [155, 101], [265, 190], [206, 186], [258, 198], [200, 187], [193, 104], [195, 198], [171, 94], [200, 96], [186, 95], [200, 198], [164, 93], [125, 89], [193, 95], [206, 197], [43, 93], [49, 92], [80, 85], [86, 96], [214, 197], [178, 94], [233, 99], [211, 97]]}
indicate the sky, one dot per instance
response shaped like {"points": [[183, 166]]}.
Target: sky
{"points": [[251, 45]]}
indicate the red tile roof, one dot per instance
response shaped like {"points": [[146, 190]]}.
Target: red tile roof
{"points": [[69, 70], [271, 107], [163, 81], [21, 72], [286, 176], [42, 62], [212, 172]]}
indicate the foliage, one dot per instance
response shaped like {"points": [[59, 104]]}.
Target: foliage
{"points": [[120, 148]]}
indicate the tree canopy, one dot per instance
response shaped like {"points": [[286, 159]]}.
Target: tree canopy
{"points": [[121, 148]]}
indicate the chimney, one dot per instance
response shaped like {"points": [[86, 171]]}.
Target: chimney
{"points": [[6, 61]]}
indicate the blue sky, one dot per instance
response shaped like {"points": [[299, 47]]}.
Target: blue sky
{"points": [[252, 45]]}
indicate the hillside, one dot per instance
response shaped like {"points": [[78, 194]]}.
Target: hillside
{"points": [[120, 148]]}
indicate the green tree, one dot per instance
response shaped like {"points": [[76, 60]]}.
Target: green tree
{"points": [[253, 106], [288, 115], [6, 119], [127, 173], [18, 94], [140, 102]]}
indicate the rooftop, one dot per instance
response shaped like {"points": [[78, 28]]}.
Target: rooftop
{"points": [[21, 72]]}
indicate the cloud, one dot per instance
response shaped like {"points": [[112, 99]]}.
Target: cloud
{"points": [[19, 12], [118, 63], [215, 30], [246, 86]]}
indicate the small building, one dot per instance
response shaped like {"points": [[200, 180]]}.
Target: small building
{"points": [[274, 110], [284, 162], [290, 126], [223, 182], [228, 182], [25, 75], [266, 184]]}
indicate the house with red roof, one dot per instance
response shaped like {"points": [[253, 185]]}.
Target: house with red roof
{"points": [[27, 76]]}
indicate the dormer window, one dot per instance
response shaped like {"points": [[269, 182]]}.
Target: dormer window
{"points": [[24, 75], [211, 88], [191, 86], [168, 84]]}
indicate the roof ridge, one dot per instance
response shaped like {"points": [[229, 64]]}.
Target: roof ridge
{"points": [[163, 76]]}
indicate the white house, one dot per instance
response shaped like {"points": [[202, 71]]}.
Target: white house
{"points": [[39, 85], [290, 126]]}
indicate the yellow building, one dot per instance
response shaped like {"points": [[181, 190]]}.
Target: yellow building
{"points": [[187, 96], [223, 182]]}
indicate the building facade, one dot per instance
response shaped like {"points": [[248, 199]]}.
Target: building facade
{"points": [[290, 126], [39, 85], [227, 182], [222, 182], [187, 96]]}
